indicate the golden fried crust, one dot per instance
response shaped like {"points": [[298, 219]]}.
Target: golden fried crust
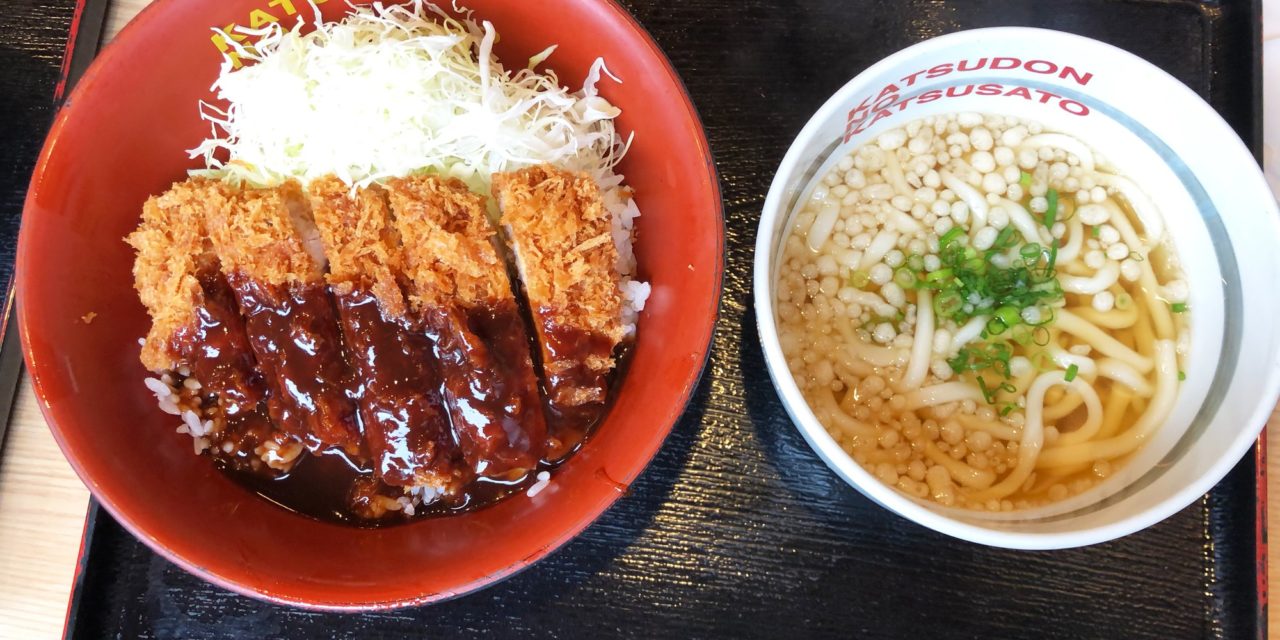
{"points": [[169, 242], [562, 237], [362, 245], [448, 243], [255, 233]]}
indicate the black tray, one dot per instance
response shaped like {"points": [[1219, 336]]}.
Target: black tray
{"points": [[738, 529]]}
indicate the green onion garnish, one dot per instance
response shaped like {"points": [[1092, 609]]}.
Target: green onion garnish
{"points": [[1030, 252], [859, 279], [1008, 315], [1178, 307], [950, 236], [1051, 214], [1182, 376], [1041, 336], [948, 304], [1095, 231], [904, 278], [969, 283], [940, 274], [1071, 373], [1025, 180], [916, 263]]}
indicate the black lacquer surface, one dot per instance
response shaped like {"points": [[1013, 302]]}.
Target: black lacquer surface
{"points": [[738, 529], [33, 38]]}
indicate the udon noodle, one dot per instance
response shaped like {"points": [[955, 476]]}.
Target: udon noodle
{"points": [[982, 312]]}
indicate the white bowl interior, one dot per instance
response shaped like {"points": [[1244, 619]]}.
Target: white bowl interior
{"points": [[1221, 220]]}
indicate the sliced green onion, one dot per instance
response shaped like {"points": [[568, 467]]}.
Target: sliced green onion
{"points": [[1071, 373], [947, 304], [1123, 301], [1010, 316], [1008, 409], [1095, 231], [859, 279], [996, 326], [950, 236], [1051, 214], [905, 278], [1003, 241], [1031, 252], [1178, 307], [916, 263], [1025, 180], [1182, 376], [940, 274], [1041, 336], [987, 394]]}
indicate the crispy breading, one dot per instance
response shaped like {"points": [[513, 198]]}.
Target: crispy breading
{"points": [[562, 237], [255, 232], [448, 243], [169, 242], [360, 241]]}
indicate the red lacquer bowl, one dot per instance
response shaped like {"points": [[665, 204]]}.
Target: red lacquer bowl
{"points": [[123, 136]]}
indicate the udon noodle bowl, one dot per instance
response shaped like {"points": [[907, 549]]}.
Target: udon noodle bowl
{"points": [[983, 312]]}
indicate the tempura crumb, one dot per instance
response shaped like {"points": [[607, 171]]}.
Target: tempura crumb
{"points": [[360, 241], [560, 233], [168, 242], [259, 233], [449, 250]]}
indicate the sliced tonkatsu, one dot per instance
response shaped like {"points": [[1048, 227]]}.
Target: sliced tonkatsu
{"points": [[262, 238], [461, 294], [196, 327], [406, 424], [561, 238]]}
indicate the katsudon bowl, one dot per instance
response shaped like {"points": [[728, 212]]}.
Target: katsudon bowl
{"points": [[123, 136]]}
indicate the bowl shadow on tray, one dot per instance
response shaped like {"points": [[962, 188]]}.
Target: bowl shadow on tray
{"points": [[597, 548]]}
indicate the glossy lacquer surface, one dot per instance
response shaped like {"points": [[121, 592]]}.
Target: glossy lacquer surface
{"points": [[738, 529]]}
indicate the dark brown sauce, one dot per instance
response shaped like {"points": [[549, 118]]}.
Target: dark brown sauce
{"points": [[245, 433], [332, 487], [295, 336], [318, 485], [406, 424], [461, 382], [577, 396], [217, 348], [488, 379]]}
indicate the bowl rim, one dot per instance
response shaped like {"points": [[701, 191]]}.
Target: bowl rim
{"points": [[1232, 150], [694, 129]]}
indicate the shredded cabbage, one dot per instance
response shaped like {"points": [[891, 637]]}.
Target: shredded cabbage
{"points": [[395, 90]]}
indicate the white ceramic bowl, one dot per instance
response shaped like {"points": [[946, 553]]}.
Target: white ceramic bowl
{"points": [[1221, 218]]}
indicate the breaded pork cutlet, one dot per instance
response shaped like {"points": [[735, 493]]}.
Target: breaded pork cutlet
{"points": [[196, 324], [259, 236], [406, 423], [460, 291], [561, 235]]}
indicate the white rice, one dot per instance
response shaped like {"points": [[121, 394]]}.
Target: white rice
{"points": [[159, 388], [544, 479], [623, 212]]}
